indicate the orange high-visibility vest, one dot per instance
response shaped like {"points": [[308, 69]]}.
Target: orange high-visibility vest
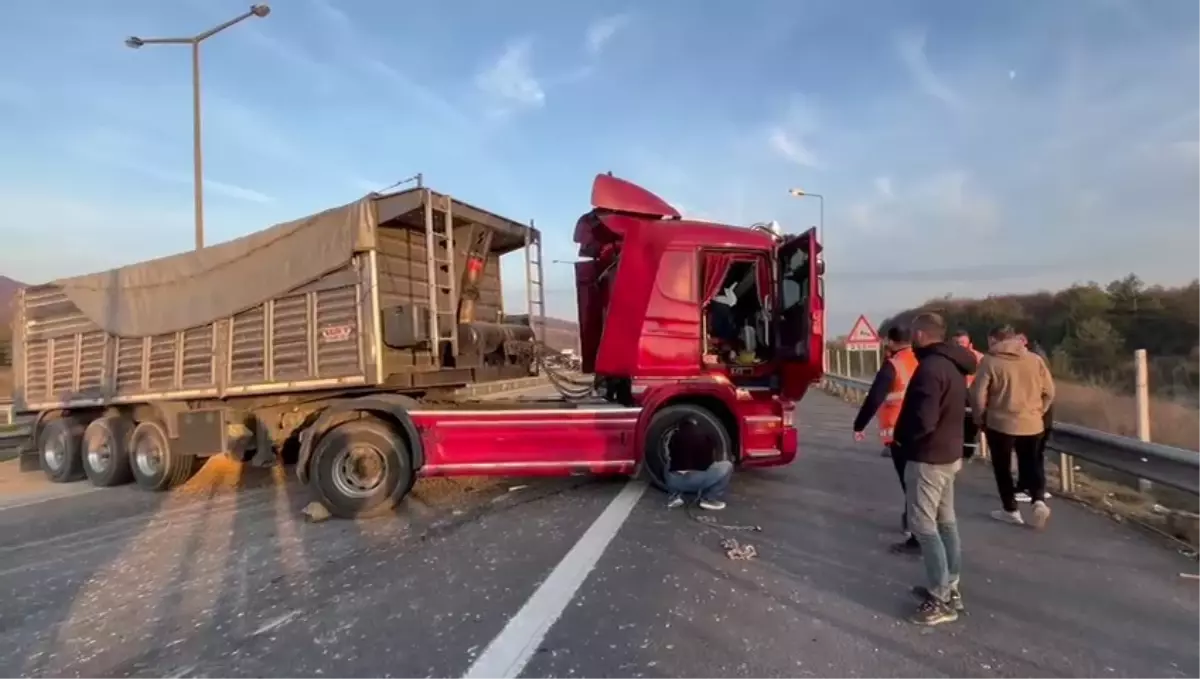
{"points": [[904, 362], [978, 359]]}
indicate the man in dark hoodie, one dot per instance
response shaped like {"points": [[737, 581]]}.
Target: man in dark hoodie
{"points": [[930, 433]]}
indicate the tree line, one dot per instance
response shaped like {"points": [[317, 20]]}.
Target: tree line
{"points": [[1090, 331]]}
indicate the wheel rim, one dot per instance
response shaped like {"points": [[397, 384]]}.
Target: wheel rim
{"points": [[148, 455], [100, 453], [54, 451], [359, 471]]}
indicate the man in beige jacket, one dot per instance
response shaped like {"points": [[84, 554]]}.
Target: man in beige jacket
{"points": [[1011, 394]]}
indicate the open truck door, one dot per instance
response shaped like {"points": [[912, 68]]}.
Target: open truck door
{"points": [[801, 326]]}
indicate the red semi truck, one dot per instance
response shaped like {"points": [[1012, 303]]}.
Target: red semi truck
{"points": [[679, 320], [646, 287]]}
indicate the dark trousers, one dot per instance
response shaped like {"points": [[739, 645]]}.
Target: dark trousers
{"points": [[1023, 484], [898, 462], [970, 437], [1031, 465]]}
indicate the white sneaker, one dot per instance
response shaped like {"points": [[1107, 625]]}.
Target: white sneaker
{"points": [[712, 505], [1014, 518], [1023, 497], [1041, 514], [674, 501]]}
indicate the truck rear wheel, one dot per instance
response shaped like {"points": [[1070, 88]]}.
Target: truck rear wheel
{"points": [[684, 426], [58, 450], [361, 468], [154, 465], [106, 451]]}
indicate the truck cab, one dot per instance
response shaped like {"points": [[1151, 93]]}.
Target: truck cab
{"points": [[677, 309]]}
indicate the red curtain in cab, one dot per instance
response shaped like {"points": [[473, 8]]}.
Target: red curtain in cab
{"points": [[716, 266]]}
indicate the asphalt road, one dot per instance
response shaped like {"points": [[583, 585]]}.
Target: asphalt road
{"points": [[222, 578]]}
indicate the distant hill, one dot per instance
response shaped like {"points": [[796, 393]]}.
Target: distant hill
{"points": [[560, 334]]}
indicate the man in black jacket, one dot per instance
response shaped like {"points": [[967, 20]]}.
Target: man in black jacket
{"points": [[897, 339], [930, 433]]}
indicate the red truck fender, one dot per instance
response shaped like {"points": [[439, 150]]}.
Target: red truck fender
{"points": [[391, 408], [718, 396]]}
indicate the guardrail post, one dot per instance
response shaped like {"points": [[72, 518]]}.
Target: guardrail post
{"points": [[837, 363], [1142, 390], [1066, 473]]}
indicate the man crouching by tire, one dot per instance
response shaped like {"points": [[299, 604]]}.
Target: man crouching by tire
{"points": [[690, 467]]}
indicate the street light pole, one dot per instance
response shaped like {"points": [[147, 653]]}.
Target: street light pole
{"points": [[135, 42], [799, 193]]}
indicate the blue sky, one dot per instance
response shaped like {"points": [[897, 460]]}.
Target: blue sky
{"points": [[972, 148]]}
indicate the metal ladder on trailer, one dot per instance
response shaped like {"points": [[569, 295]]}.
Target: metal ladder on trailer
{"points": [[535, 292], [439, 253]]}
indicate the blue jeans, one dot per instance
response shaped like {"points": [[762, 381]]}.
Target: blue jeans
{"points": [[931, 518], [710, 483]]}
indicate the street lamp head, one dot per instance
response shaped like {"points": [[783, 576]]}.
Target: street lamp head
{"points": [[134, 42], [260, 11], [799, 193]]}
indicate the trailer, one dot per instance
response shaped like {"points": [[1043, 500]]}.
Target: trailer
{"points": [[335, 342]]}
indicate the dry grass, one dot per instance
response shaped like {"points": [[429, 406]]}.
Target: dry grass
{"points": [[1171, 423]]}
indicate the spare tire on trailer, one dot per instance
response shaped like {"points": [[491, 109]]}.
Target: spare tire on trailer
{"points": [[680, 426], [361, 468]]}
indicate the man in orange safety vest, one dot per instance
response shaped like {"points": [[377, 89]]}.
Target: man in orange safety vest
{"points": [[970, 430], [883, 402]]}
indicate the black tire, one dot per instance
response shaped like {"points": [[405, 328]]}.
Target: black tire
{"points": [[153, 464], [105, 451], [666, 422], [58, 450], [341, 457]]}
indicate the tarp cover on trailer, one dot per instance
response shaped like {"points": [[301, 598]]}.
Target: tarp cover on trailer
{"points": [[196, 288]]}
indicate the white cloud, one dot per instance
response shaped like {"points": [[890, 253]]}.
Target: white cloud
{"points": [[948, 201], [910, 45], [601, 31], [791, 148], [16, 95], [789, 137], [123, 150], [1187, 151], [884, 186], [510, 82]]}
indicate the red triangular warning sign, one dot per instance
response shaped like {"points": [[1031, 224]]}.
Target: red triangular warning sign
{"points": [[862, 335]]}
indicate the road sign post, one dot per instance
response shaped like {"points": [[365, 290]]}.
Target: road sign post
{"points": [[863, 336]]}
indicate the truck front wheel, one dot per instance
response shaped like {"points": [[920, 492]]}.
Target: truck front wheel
{"points": [[58, 450], [687, 430], [106, 451], [155, 466], [361, 468]]}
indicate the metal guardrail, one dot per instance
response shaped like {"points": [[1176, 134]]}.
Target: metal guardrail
{"points": [[1173, 467]]}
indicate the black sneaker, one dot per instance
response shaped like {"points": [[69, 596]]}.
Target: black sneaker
{"points": [[933, 612], [909, 546], [956, 601]]}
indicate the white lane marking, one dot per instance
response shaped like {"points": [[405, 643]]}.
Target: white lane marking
{"points": [[59, 495], [275, 623], [511, 650]]}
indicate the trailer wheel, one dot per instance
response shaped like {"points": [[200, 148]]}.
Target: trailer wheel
{"points": [[106, 451], [670, 427], [361, 468], [58, 450], [154, 465]]}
